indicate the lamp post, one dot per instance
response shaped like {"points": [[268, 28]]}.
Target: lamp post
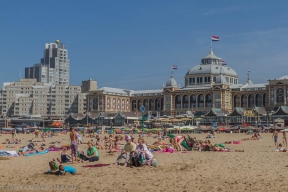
{"points": [[226, 120], [87, 118], [43, 121], [270, 114]]}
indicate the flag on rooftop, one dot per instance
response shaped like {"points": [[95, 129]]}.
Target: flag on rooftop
{"points": [[224, 62], [174, 67], [215, 38]]}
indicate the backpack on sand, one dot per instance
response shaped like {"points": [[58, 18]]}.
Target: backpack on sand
{"points": [[135, 161]]}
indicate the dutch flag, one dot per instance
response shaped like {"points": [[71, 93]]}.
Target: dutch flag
{"points": [[215, 38], [174, 67], [224, 62]]}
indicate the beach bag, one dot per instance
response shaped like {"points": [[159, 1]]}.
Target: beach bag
{"points": [[135, 161]]}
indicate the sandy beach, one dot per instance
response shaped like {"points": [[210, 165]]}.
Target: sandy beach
{"points": [[258, 168]]}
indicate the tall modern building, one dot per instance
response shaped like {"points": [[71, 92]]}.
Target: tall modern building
{"points": [[54, 67]]}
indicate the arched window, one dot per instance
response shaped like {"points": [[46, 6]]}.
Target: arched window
{"points": [[201, 100], [146, 104], [244, 101], [158, 104], [178, 101], [162, 103], [123, 104], [259, 100], [139, 104], [237, 101], [127, 104], [185, 102], [280, 95], [214, 79], [114, 104], [134, 105], [151, 105], [118, 104], [208, 100], [251, 101], [264, 100], [193, 101]]}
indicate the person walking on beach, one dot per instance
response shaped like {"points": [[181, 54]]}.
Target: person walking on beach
{"points": [[275, 136], [73, 145], [284, 140]]}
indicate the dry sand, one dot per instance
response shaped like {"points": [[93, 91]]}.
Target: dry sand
{"points": [[256, 169]]}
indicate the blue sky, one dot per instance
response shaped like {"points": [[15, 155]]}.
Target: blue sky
{"points": [[132, 44]]}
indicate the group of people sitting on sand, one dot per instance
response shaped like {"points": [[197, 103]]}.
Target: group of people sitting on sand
{"points": [[12, 141]]}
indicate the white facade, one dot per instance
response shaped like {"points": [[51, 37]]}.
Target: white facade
{"points": [[29, 97], [54, 67]]}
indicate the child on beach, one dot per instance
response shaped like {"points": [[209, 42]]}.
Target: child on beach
{"points": [[64, 156], [68, 169], [98, 144], [54, 166]]}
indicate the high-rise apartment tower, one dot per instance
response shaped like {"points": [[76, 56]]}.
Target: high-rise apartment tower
{"points": [[54, 67]]}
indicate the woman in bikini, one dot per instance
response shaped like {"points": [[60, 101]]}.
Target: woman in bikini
{"points": [[179, 139]]}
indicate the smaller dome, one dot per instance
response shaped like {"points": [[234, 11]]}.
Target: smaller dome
{"points": [[171, 82], [221, 79]]}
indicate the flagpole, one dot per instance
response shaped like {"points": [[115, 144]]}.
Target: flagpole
{"points": [[171, 71], [211, 43]]}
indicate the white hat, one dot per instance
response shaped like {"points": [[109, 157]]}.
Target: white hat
{"points": [[127, 137]]}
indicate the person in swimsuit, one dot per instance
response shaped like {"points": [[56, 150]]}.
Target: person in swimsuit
{"points": [[275, 136], [179, 139], [73, 145], [284, 140], [67, 169]]}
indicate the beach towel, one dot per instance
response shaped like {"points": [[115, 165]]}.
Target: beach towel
{"points": [[96, 165], [220, 145], [35, 153], [57, 149], [8, 153], [168, 150]]}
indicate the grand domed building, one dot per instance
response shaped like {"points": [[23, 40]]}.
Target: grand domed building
{"points": [[209, 87]]}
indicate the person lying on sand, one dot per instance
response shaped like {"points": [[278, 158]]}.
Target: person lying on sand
{"points": [[28, 152], [68, 169], [251, 138], [217, 148]]}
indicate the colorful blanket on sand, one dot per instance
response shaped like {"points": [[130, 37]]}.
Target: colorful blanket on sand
{"points": [[96, 165], [58, 149]]}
